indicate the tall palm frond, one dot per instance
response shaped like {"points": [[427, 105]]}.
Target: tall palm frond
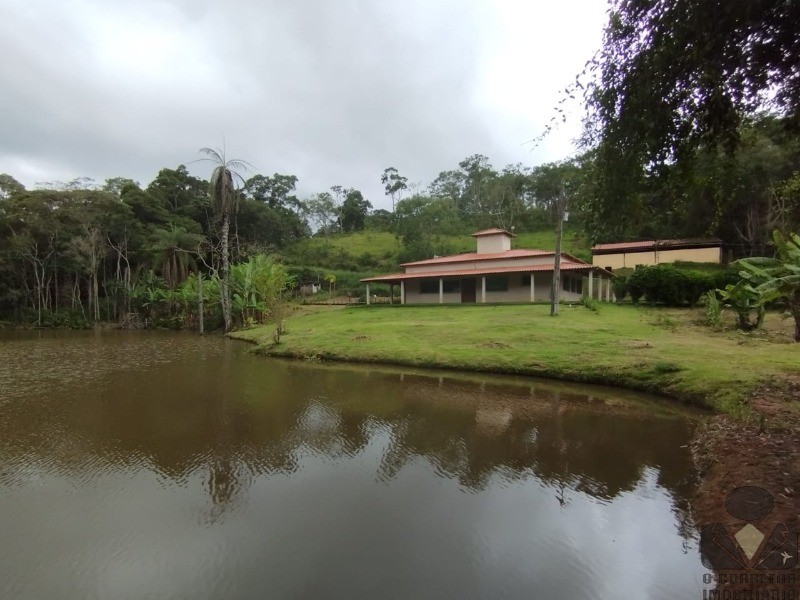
{"points": [[224, 180], [224, 200]]}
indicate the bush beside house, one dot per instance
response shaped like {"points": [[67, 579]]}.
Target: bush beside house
{"points": [[669, 285]]}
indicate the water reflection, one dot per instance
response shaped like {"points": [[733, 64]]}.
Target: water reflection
{"points": [[355, 482]]}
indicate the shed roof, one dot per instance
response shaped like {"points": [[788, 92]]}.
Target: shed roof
{"points": [[648, 245]]}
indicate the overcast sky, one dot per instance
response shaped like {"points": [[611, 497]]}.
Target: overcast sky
{"points": [[332, 91]]}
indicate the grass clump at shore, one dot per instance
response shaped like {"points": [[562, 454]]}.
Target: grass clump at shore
{"points": [[657, 350]]}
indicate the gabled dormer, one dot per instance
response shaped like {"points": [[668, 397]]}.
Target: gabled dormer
{"points": [[493, 240]]}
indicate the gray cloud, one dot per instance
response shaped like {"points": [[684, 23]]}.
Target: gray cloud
{"points": [[332, 92]]}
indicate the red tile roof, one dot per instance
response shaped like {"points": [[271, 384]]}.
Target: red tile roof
{"points": [[492, 231], [645, 245], [565, 266], [471, 256]]}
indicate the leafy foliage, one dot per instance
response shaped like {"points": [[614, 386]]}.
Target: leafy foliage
{"points": [[673, 73], [620, 286], [393, 183], [669, 285], [257, 287], [742, 299], [675, 82], [712, 309], [779, 277]]}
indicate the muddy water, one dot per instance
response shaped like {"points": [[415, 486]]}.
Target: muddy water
{"points": [[155, 465]]}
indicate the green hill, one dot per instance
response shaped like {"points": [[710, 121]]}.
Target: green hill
{"points": [[378, 251]]}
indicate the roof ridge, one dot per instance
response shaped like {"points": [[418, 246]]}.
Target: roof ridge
{"points": [[480, 256]]}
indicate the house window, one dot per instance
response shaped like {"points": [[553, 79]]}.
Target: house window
{"points": [[526, 281], [452, 286], [609, 269], [429, 286], [497, 284]]}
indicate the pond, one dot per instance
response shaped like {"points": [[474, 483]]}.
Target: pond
{"points": [[162, 465]]}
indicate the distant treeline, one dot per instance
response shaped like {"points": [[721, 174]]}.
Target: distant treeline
{"points": [[77, 250]]}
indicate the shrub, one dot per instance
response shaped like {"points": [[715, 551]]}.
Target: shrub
{"points": [[620, 286], [635, 289], [668, 285], [590, 303]]}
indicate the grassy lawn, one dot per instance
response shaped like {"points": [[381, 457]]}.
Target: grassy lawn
{"points": [[657, 350]]}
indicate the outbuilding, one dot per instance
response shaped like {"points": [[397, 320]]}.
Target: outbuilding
{"points": [[655, 252]]}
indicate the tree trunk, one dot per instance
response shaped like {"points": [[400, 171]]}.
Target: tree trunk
{"points": [[744, 321], [55, 274], [225, 299], [794, 306], [555, 290], [200, 302]]}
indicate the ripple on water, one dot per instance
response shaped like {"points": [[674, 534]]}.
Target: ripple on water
{"points": [[169, 465]]}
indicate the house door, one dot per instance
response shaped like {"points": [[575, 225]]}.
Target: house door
{"points": [[467, 291]]}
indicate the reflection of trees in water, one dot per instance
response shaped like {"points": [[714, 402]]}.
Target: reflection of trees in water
{"points": [[234, 425], [569, 444], [225, 481], [592, 449]]}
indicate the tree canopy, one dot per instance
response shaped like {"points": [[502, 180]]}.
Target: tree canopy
{"points": [[673, 73], [675, 77]]}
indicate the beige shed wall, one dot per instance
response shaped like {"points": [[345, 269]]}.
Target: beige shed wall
{"points": [[631, 259]]}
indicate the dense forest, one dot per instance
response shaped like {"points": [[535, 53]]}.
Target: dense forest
{"points": [[81, 252]]}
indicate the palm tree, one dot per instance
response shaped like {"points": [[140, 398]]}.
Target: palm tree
{"points": [[224, 200], [778, 277], [170, 250]]}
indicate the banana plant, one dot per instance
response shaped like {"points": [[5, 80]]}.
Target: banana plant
{"points": [[778, 277], [742, 299]]}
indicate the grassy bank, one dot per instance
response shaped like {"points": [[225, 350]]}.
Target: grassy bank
{"points": [[656, 350]]}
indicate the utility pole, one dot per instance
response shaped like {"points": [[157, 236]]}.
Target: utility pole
{"points": [[555, 290]]}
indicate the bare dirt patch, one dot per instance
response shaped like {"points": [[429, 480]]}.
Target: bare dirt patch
{"points": [[493, 345], [731, 453], [639, 344]]}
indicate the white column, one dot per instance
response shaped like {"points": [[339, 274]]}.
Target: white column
{"points": [[483, 289], [367, 294], [608, 290], [590, 283], [441, 290], [402, 292], [532, 286]]}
